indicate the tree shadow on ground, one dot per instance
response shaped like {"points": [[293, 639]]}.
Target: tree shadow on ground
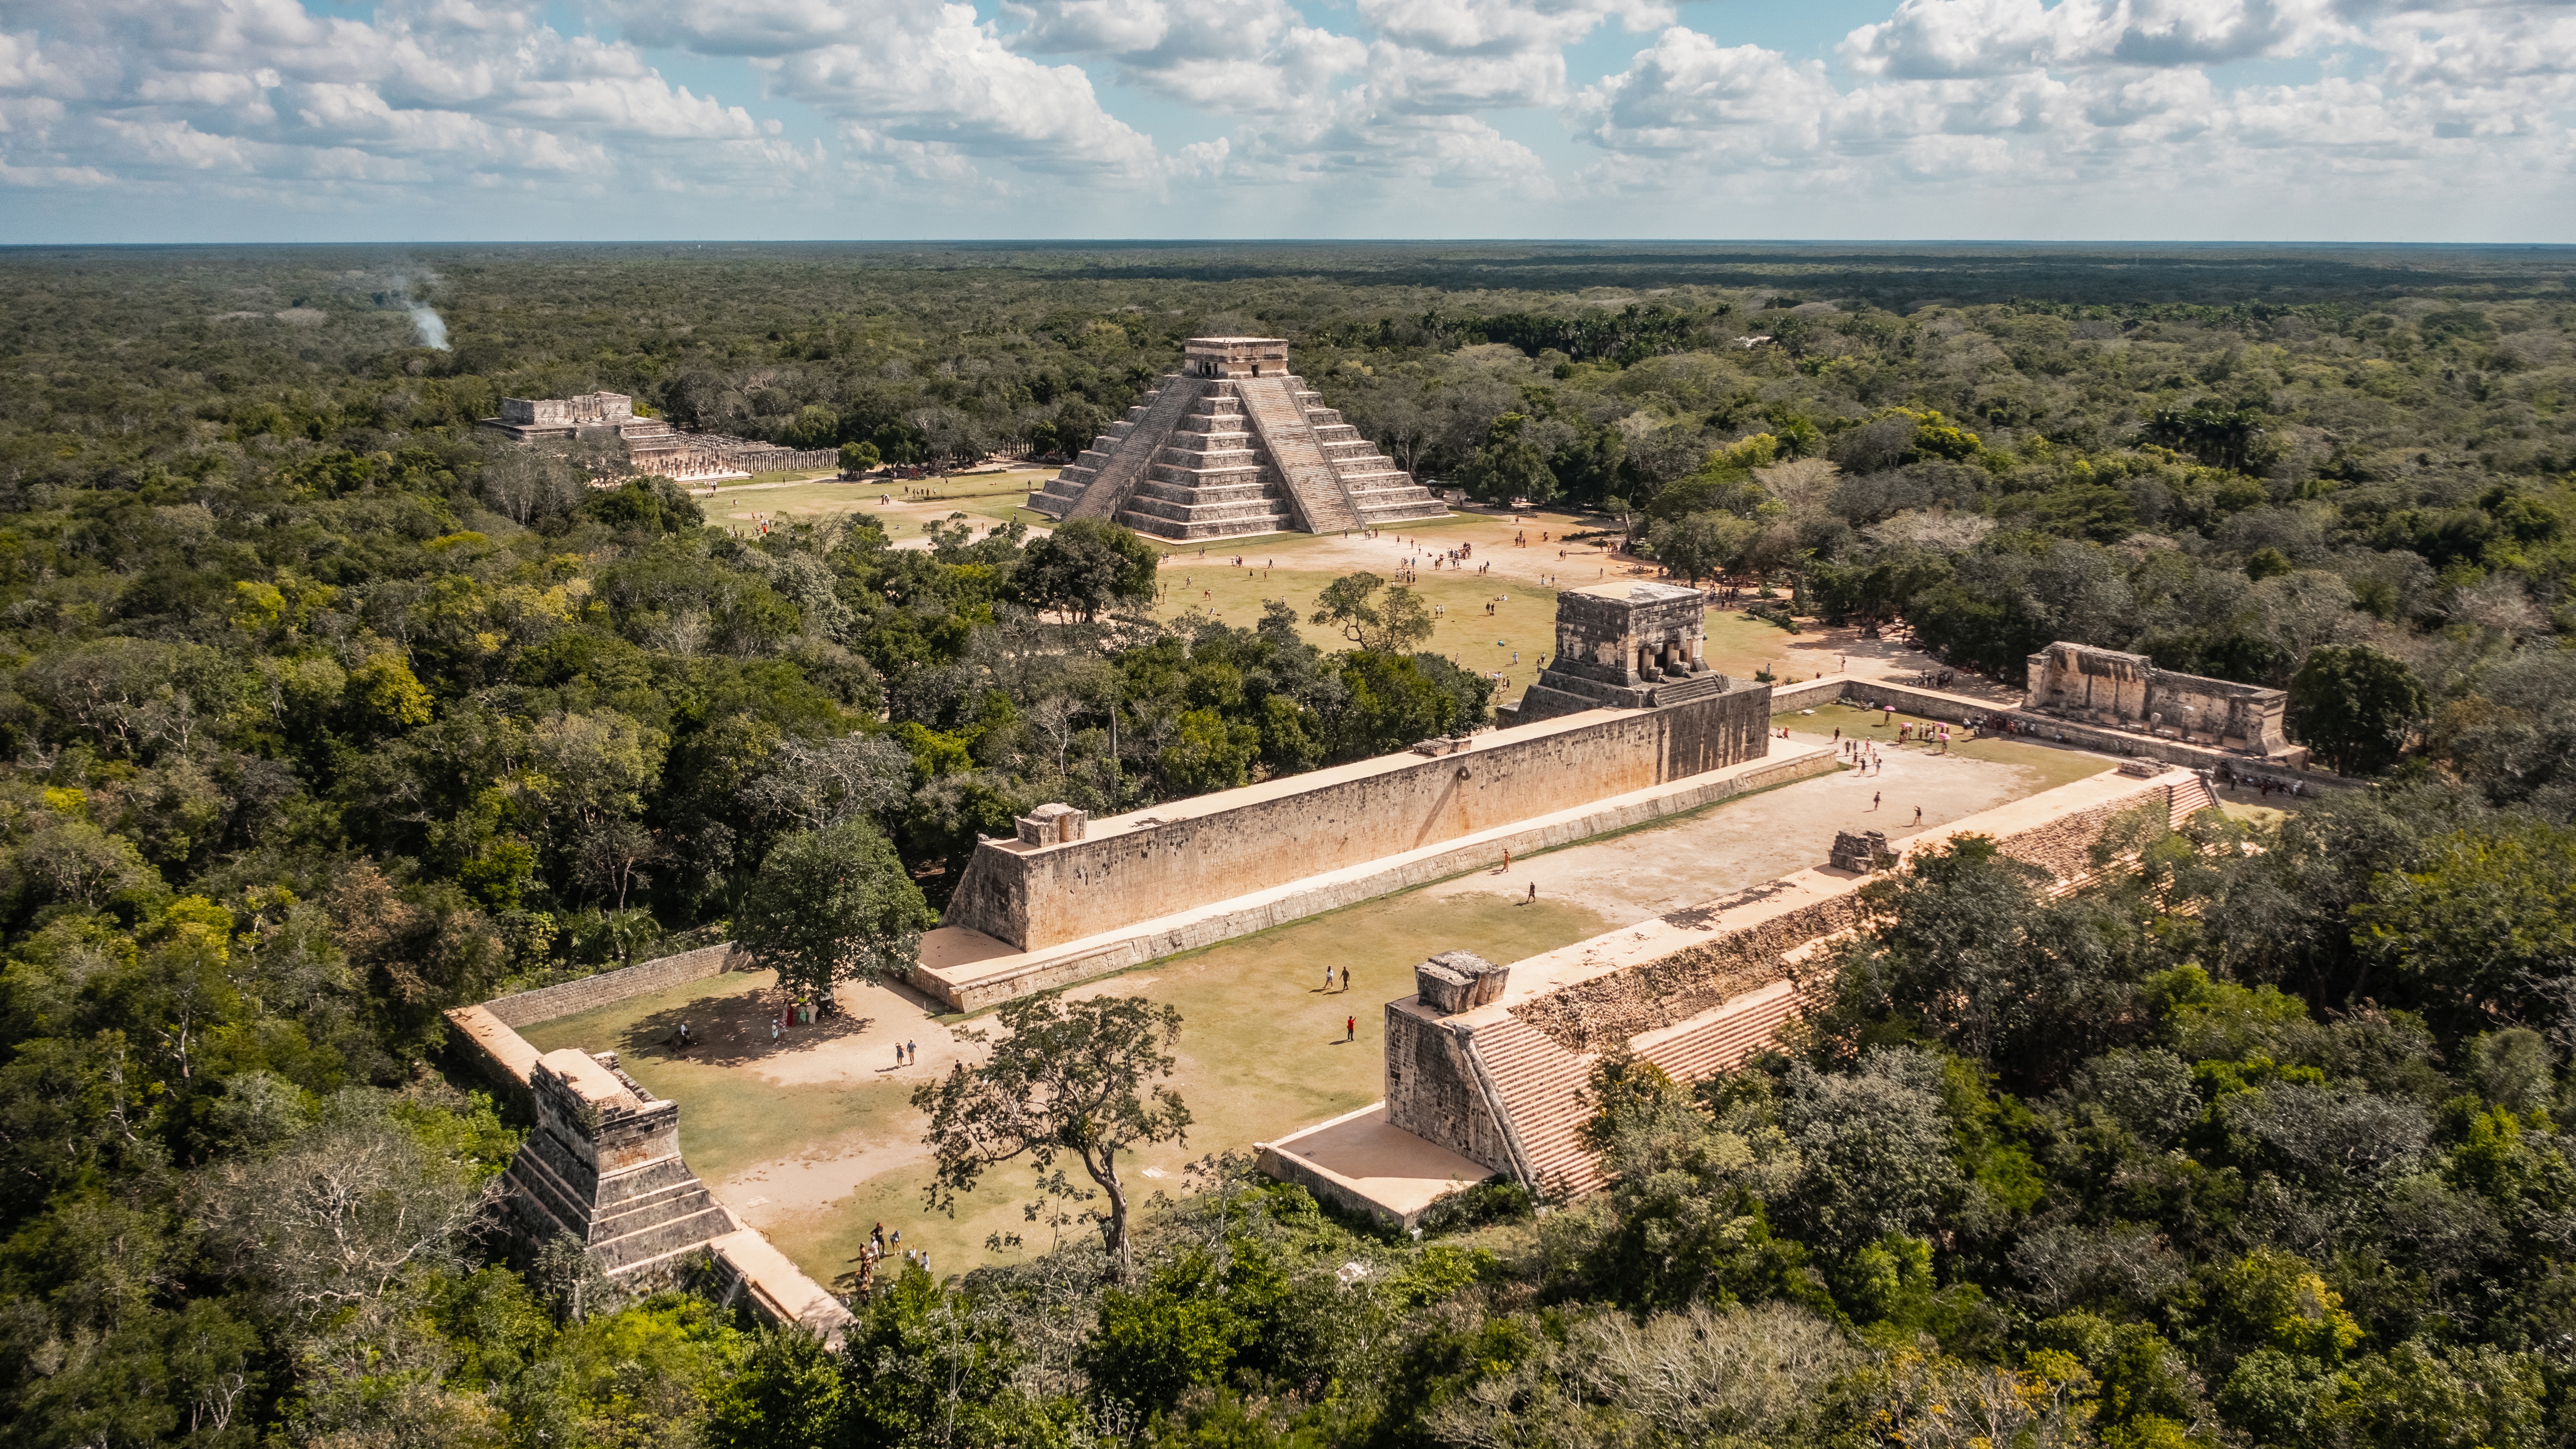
{"points": [[733, 1031]]}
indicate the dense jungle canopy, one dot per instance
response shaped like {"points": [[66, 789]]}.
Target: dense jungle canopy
{"points": [[320, 714]]}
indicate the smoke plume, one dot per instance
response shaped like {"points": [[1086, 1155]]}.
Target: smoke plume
{"points": [[433, 328]]}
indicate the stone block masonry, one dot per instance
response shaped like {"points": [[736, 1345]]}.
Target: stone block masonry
{"points": [[981, 978], [1504, 1083], [1233, 445], [1194, 853], [567, 998], [603, 1167], [1278, 417]]}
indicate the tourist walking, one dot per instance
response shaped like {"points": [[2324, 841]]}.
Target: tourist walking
{"points": [[1873, 800], [1350, 1028], [913, 1052]]}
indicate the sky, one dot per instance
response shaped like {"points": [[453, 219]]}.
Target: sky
{"points": [[465, 120]]}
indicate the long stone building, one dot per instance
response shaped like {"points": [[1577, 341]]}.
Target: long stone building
{"points": [[1234, 444], [652, 445]]}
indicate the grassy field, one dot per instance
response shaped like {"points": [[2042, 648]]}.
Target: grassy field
{"points": [[1261, 1053], [1508, 641]]}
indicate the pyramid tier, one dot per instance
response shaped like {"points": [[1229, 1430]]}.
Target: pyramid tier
{"points": [[1194, 465]]}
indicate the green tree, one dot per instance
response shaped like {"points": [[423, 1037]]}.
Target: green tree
{"points": [[1083, 567], [1702, 544], [2355, 707], [1508, 465], [859, 457], [1209, 753], [2484, 926], [832, 905], [1393, 622], [814, 426], [1066, 1079], [1394, 701], [790, 1394]]}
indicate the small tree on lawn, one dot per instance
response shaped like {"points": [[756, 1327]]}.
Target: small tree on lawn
{"points": [[832, 905], [1068, 1079]]}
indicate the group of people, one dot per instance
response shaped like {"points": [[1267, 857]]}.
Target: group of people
{"points": [[1863, 753], [2263, 785], [877, 1249]]}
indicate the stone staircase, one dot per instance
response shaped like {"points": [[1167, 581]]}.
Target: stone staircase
{"points": [[1379, 492], [604, 1166], [1543, 1091], [1098, 484], [1278, 413], [1205, 458]]}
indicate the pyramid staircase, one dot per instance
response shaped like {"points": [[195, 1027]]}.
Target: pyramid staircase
{"points": [[1205, 458]]}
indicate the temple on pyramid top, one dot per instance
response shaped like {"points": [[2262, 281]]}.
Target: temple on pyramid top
{"points": [[1234, 444]]}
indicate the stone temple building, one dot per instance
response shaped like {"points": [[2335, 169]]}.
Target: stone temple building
{"points": [[1624, 645], [591, 414], [652, 445], [2128, 693], [1234, 444]]}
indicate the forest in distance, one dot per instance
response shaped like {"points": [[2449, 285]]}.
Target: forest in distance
{"points": [[321, 713]]}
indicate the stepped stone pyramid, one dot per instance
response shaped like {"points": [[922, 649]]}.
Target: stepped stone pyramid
{"points": [[604, 1165], [1234, 444]]}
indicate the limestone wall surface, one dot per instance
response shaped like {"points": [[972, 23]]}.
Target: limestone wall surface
{"points": [[1432, 1090], [1591, 1015], [1137, 868], [564, 999], [979, 985]]}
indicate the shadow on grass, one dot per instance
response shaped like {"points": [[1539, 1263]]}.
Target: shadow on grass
{"points": [[733, 1037]]}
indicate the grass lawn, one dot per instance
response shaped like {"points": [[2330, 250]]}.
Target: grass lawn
{"points": [[1261, 1054], [1523, 621]]}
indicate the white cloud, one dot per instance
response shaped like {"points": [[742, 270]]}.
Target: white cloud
{"points": [[2090, 103], [1376, 116], [1928, 39], [1253, 56], [425, 92], [928, 75], [1449, 57]]}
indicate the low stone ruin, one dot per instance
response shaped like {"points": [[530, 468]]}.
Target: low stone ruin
{"points": [[652, 445], [1625, 645], [1863, 852], [604, 1167], [2128, 693], [1052, 825], [1456, 981]]}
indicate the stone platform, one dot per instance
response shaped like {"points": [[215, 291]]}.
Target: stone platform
{"points": [[1359, 1163]]}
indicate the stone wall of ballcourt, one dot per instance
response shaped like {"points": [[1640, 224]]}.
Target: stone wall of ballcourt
{"points": [[1124, 874], [547, 1003], [1619, 1005], [1432, 1090]]}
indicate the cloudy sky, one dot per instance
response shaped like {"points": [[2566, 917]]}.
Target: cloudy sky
{"points": [[206, 120]]}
